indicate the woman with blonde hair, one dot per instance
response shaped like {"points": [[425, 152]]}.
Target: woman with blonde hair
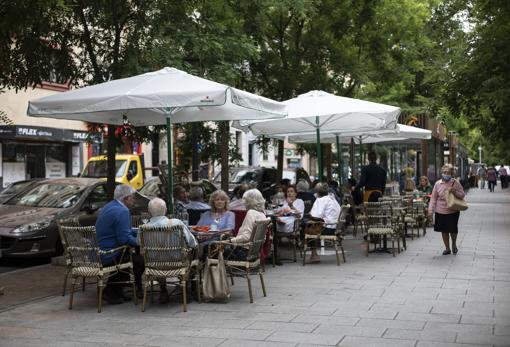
{"points": [[218, 217], [446, 220]]}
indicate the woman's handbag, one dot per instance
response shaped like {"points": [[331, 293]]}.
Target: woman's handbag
{"points": [[454, 203], [314, 227], [215, 284]]}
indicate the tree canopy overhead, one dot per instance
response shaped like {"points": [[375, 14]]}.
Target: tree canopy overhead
{"points": [[447, 58]]}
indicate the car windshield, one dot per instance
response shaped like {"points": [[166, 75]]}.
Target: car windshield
{"points": [[49, 195], [97, 168], [15, 188], [235, 175]]}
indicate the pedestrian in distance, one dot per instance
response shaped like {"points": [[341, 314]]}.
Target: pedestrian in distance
{"points": [[492, 178], [482, 176], [446, 220], [503, 176]]}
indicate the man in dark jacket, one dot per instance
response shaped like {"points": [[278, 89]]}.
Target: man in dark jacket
{"points": [[373, 179], [113, 229]]}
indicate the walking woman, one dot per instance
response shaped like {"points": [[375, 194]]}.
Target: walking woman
{"points": [[446, 220]]}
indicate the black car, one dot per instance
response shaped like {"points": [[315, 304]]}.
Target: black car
{"points": [[28, 226]]}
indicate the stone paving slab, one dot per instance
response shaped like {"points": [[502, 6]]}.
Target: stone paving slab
{"points": [[418, 298]]}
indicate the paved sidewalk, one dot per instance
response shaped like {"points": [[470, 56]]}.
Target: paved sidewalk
{"points": [[419, 298]]}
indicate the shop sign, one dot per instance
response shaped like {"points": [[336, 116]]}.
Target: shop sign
{"points": [[55, 170], [74, 136], [38, 132]]}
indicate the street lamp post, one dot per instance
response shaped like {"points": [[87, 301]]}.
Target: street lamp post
{"points": [[480, 154]]}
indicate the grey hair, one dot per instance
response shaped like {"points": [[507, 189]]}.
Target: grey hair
{"points": [[302, 186], [123, 191], [196, 194], [216, 194], [322, 189], [157, 207], [253, 200], [448, 167]]}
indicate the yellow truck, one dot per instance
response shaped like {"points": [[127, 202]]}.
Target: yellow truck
{"points": [[129, 169]]}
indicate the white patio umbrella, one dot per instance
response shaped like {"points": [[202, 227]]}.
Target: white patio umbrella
{"points": [[400, 134], [320, 111], [166, 96]]}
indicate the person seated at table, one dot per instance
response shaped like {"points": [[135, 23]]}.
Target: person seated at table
{"points": [[157, 210], [425, 187], [196, 197], [303, 191], [237, 203], [255, 204], [350, 189], [181, 200], [291, 205], [113, 230], [218, 217], [325, 209]]}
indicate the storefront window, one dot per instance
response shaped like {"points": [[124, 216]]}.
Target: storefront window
{"points": [[55, 153], [13, 153]]}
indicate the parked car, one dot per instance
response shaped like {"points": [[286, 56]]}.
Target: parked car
{"points": [[151, 188], [28, 226], [16, 188], [263, 178]]}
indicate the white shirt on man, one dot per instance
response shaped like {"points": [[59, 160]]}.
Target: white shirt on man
{"points": [[326, 208]]}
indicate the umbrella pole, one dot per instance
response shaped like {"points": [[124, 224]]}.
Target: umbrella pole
{"points": [[339, 158], [170, 182], [319, 151]]}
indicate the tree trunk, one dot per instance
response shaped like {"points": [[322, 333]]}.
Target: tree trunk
{"points": [[110, 172], [279, 164], [195, 160], [224, 141]]}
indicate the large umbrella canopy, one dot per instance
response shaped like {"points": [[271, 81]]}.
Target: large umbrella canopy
{"points": [[164, 96], [400, 133], [334, 113], [320, 111], [150, 98]]}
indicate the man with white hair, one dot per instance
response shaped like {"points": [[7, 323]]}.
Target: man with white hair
{"points": [[157, 210], [113, 229]]}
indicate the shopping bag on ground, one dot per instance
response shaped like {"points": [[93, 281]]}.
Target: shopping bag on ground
{"points": [[215, 284]]}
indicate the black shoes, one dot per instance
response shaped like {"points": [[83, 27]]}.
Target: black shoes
{"points": [[455, 250], [446, 252]]}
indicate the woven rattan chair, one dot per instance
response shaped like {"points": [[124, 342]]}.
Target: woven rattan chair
{"points": [[252, 264], [70, 222], [166, 255], [334, 240], [83, 249], [380, 225], [292, 237]]}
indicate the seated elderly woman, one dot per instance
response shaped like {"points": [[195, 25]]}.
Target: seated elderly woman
{"points": [[255, 203], [219, 217], [293, 206], [157, 210]]}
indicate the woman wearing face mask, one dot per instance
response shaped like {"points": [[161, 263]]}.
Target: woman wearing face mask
{"points": [[446, 220]]}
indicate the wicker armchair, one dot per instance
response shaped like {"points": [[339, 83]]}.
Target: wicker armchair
{"points": [[335, 239], [292, 237], [166, 255], [252, 264], [70, 222], [82, 247], [380, 225]]}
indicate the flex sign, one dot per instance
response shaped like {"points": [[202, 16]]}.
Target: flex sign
{"points": [[38, 132]]}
